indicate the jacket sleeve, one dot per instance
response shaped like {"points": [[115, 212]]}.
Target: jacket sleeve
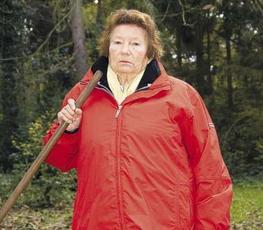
{"points": [[213, 186], [64, 154]]}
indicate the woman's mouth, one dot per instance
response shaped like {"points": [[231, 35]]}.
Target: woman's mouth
{"points": [[125, 62]]}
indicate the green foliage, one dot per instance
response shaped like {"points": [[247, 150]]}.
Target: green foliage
{"points": [[10, 33], [48, 186], [25, 218], [36, 66], [247, 208], [246, 211], [37, 69], [242, 143]]}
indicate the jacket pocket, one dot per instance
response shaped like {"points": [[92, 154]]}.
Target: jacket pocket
{"points": [[185, 206]]}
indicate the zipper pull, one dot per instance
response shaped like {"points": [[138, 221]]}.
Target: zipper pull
{"points": [[118, 111]]}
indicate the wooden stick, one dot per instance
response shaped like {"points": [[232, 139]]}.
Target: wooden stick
{"points": [[46, 149]]}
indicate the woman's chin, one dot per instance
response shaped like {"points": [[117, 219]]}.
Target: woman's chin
{"points": [[125, 70]]}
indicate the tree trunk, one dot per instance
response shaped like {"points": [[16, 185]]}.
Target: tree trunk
{"points": [[210, 80], [78, 36], [228, 33], [9, 110], [229, 74], [100, 15], [8, 93], [179, 45], [200, 62]]}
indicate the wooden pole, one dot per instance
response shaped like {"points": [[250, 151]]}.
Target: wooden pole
{"points": [[46, 149]]}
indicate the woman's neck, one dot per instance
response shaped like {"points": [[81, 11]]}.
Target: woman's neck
{"points": [[125, 79]]}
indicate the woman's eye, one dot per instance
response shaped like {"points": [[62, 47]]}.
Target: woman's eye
{"points": [[135, 43], [117, 42]]}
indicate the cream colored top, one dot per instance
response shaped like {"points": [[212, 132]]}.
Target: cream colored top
{"points": [[121, 92]]}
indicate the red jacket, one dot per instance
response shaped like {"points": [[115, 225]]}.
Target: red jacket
{"points": [[153, 163]]}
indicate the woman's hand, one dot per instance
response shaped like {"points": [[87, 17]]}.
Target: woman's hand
{"points": [[71, 115]]}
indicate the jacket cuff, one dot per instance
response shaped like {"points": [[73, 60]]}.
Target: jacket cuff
{"points": [[69, 138], [71, 132]]}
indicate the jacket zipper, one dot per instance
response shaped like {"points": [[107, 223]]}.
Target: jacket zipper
{"points": [[118, 111], [105, 89], [118, 153], [118, 166]]}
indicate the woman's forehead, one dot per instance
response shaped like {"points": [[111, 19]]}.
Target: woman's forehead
{"points": [[128, 30]]}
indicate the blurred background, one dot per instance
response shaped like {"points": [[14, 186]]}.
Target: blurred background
{"points": [[47, 46]]}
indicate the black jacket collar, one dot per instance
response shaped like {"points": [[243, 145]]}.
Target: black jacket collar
{"points": [[151, 73]]}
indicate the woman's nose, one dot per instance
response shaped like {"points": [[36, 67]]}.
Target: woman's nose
{"points": [[125, 48]]}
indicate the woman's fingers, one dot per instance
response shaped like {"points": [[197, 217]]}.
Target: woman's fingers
{"points": [[71, 104], [66, 116], [70, 114], [78, 112]]}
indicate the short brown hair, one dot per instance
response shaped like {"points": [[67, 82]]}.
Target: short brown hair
{"points": [[137, 18]]}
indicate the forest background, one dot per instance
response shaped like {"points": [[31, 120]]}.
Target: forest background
{"points": [[46, 47]]}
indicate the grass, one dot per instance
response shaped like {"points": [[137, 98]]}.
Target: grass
{"points": [[246, 212], [247, 208], [26, 218]]}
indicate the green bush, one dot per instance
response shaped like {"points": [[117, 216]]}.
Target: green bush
{"points": [[49, 187], [242, 143]]}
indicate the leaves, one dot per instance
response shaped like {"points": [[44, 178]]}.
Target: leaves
{"points": [[246, 211], [44, 219], [37, 69]]}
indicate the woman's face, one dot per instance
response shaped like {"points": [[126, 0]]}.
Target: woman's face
{"points": [[128, 49]]}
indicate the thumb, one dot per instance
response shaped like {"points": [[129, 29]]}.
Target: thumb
{"points": [[78, 111]]}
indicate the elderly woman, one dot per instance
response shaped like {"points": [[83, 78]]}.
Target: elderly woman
{"points": [[143, 145]]}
